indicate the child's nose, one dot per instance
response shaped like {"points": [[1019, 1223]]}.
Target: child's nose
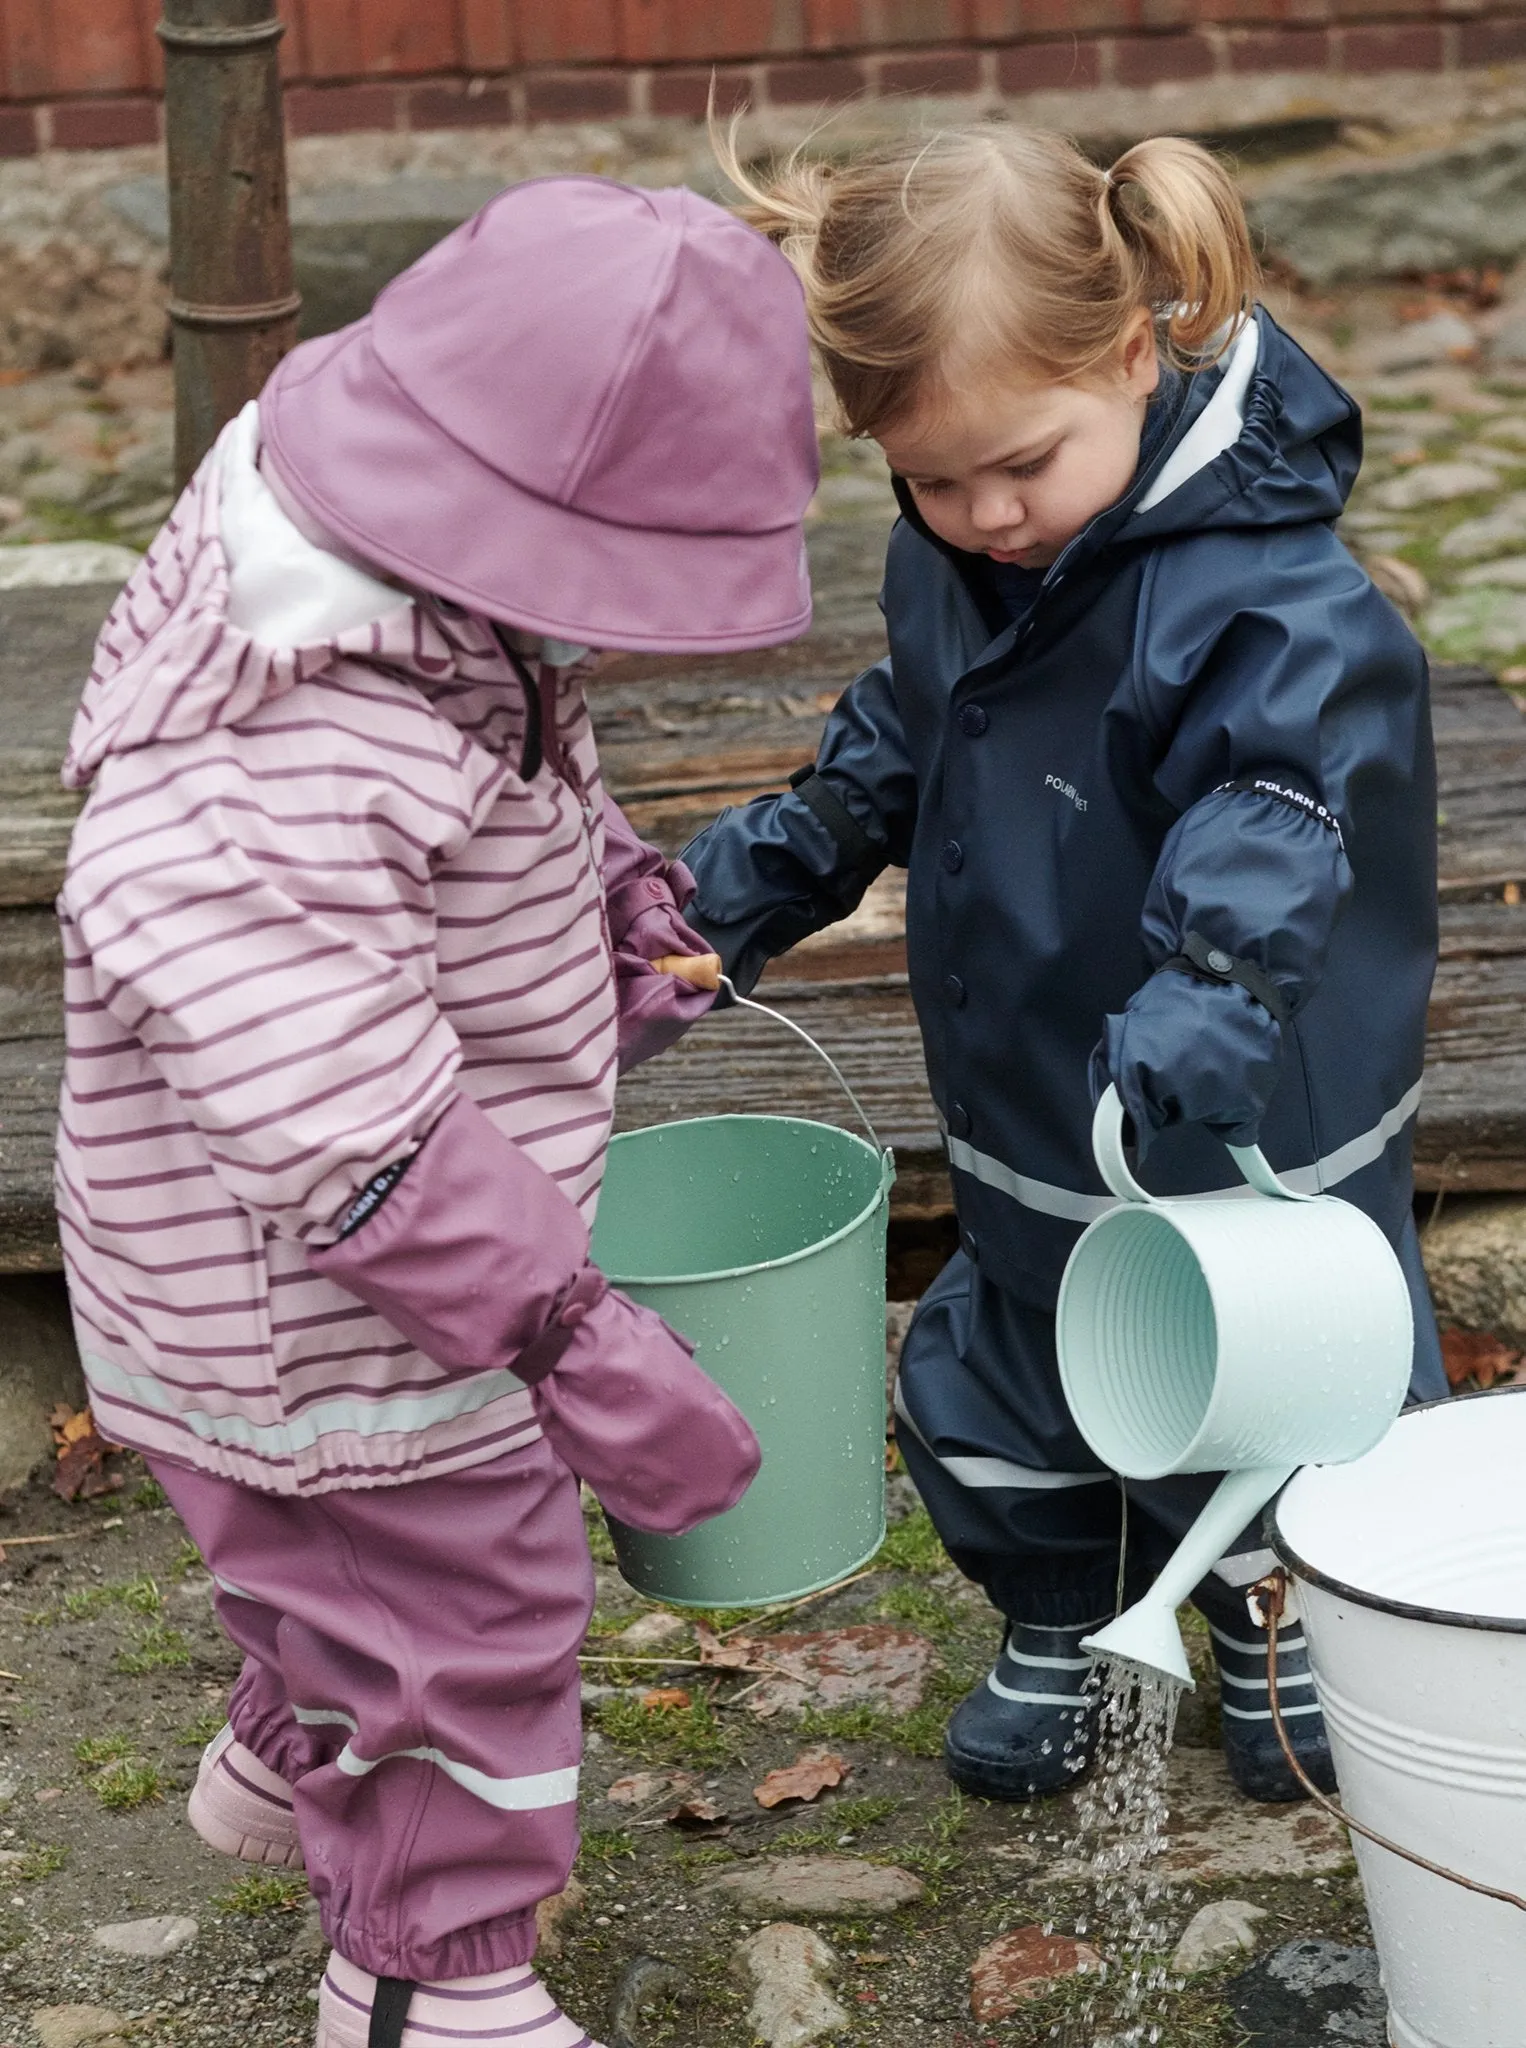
{"points": [[995, 511]]}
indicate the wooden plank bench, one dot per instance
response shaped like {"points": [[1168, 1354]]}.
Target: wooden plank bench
{"points": [[679, 739]]}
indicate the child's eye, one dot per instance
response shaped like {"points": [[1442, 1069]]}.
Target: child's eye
{"points": [[933, 488], [1035, 468]]}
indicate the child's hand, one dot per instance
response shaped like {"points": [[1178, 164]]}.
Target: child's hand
{"points": [[699, 970]]}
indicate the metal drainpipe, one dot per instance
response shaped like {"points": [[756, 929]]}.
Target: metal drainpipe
{"points": [[233, 304]]}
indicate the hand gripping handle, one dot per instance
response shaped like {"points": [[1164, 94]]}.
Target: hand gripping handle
{"points": [[1113, 1165]]}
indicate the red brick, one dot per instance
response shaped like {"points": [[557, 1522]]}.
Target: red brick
{"points": [[1492, 42], [1150, 60], [340, 109], [450, 105], [874, 24], [105, 124], [577, 95], [675, 31], [936, 71], [1416, 46], [487, 35], [566, 31], [824, 78], [403, 37], [331, 38], [1280, 49], [97, 46], [1049, 67], [1076, 17], [18, 131], [688, 92], [992, 21]]}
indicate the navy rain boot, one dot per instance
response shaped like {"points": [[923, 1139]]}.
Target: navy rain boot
{"points": [[1029, 1728], [1251, 1749]]}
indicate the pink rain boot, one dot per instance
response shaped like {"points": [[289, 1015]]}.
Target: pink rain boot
{"points": [[509, 2009], [241, 1808]]}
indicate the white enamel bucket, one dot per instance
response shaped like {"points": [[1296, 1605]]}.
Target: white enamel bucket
{"points": [[1246, 1333], [1410, 1569]]}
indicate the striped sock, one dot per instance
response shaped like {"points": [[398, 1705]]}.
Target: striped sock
{"points": [[508, 2009]]}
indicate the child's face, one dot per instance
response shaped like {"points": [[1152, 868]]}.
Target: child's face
{"points": [[1015, 470]]}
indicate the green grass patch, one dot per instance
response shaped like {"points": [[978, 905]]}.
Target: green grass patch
{"points": [[197, 1733], [660, 1735], [40, 1860], [921, 1607], [129, 1784], [158, 1647], [132, 1596], [843, 1817], [264, 1891], [147, 1494], [913, 1545], [606, 1845], [187, 1559], [97, 1750]]}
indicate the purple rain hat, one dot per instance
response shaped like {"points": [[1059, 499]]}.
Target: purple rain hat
{"points": [[587, 412]]}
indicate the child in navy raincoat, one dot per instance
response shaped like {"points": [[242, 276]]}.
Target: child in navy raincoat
{"points": [[1157, 757]]}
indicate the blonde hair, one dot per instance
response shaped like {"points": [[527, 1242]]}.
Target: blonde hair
{"points": [[992, 245]]}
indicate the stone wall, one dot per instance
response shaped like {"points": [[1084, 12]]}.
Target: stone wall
{"points": [[84, 74]]}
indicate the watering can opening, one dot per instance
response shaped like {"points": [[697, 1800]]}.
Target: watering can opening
{"points": [[1141, 1341]]}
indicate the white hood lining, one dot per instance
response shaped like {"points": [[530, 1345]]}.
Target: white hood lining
{"points": [[282, 590], [1216, 427]]}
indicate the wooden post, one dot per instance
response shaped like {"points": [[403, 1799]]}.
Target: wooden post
{"points": [[233, 305]]}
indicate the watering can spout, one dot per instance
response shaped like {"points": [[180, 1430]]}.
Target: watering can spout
{"points": [[1146, 1636]]}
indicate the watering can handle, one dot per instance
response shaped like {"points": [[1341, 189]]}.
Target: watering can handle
{"points": [[747, 1003], [1107, 1145]]}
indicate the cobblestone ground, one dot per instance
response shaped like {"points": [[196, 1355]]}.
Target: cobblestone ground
{"points": [[112, 1670]]}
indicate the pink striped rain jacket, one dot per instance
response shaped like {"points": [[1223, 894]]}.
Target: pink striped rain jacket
{"points": [[309, 904]]}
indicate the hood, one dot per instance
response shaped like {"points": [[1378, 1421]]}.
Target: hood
{"points": [[232, 606], [1265, 439]]}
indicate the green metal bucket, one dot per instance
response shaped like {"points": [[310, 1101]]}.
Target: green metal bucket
{"points": [[763, 1239]]}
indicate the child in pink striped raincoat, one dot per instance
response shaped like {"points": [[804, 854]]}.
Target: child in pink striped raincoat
{"points": [[356, 947]]}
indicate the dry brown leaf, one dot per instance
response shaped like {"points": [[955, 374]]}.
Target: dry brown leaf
{"points": [[806, 1779], [642, 1788], [1476, 1355], [697, 1816], [735, 1655], [82, 1455], [665, 1699]]}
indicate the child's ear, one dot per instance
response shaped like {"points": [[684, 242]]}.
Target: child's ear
{"points": [[1138, 358]]}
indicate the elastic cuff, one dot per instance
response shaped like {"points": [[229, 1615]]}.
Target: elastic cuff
{"points": [[500, 1944], [545, 1353]]}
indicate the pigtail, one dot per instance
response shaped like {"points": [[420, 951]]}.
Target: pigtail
{"points": [[789, 207], [1174, 209]]}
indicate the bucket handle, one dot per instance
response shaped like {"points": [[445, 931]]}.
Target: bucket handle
{"points": [[747, 1003], [1269, 1603], [1113, 1165]]}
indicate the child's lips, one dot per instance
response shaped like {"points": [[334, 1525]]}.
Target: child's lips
{"points": [[1018, 555]]}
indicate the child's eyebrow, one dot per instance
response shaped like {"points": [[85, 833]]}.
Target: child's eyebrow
{"points": [[1026, 451]]}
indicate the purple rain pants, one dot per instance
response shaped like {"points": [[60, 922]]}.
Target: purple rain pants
{"points": [[410, 1669]]}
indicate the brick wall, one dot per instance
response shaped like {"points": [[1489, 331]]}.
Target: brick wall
{"points": [[84, 74]]}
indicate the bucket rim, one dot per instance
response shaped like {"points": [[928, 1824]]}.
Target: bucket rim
{"points": [[1381, 1603], [883, 1160]]}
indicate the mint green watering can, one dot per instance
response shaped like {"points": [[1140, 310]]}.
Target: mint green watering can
{"points": [[762, 1239], [1247, 1333]]}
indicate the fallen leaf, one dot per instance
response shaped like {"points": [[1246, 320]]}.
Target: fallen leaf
{"points": [[663, 1699], [82, 1473], [697, 1816], [721, 1655], [805, 1780], [1476, 1355], [641, 1788]]}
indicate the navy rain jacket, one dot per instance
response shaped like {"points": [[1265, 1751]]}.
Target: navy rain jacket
{"points": [[1211, 732]]}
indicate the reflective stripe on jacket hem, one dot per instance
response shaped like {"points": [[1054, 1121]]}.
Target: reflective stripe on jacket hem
{"points": [[1073, 1207]]}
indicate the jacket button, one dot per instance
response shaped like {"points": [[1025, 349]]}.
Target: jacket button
{"points": [[953, 856], [954, 991], [1220, 962], [970, 1244], [973, 720], [959, 1120]]}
